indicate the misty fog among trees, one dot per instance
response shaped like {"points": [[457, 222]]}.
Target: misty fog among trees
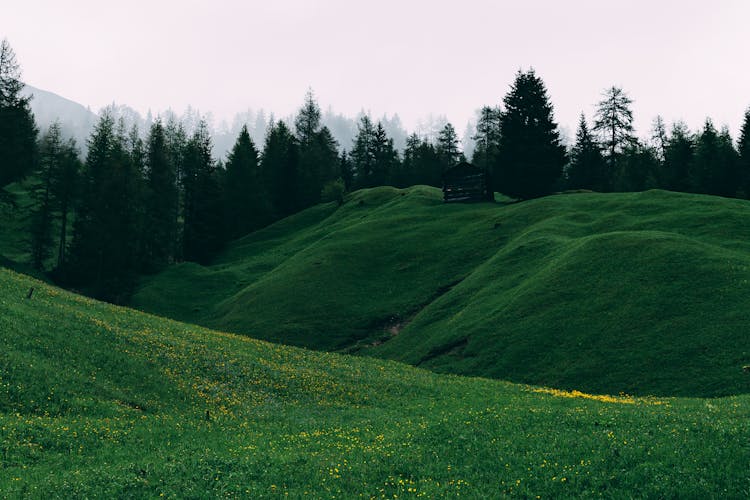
{"points": [[141, 193]]}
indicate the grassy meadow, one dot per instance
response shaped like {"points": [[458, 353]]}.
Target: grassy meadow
{"points": [[103, 401], [644, 293]]}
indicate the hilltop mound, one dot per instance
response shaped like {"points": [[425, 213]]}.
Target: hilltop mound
{"points": [[642, 293]]}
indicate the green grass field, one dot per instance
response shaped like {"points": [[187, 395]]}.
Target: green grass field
{"points": [[101, 401], [644, 293]]}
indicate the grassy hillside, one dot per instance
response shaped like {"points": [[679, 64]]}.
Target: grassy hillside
{"points": [[642, 293], [101, 401]]}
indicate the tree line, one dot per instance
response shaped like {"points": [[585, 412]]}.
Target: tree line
{"points": [[135, 204]]}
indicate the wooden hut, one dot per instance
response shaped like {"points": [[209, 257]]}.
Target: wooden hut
{"points": [[466, 182]]}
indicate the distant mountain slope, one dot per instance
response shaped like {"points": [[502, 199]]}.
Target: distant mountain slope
{"points": [[98, 401], [76, 120], [644, 293]]}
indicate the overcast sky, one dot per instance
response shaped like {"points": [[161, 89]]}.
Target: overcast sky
{"points": [[683, 59]]}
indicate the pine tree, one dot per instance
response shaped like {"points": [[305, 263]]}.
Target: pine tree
{"points": [[447, 147], [18, 132], [384, 155], [614, 123], [65, 182], [586, 169], [247, 204], [421, 164], [50, 161], [107, 229], [203, 233], [176, 144], [161, 202], [704, 174], [345, 170], [531, 157], [678, 159], [729, 173], [318, 153], [743, 150], [280, 164], [363, 153], [487, 138]]}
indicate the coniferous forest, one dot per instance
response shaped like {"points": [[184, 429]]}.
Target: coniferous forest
{"points": [[142, 199]]}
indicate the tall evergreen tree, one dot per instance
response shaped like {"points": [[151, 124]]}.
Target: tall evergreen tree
{"points": [[704, 174], [318, 153], [280, 164], [531, 157], [729, 173], [384, 155], [363, 153], [161, 202], [345, 170], [176, 139], [18, 132], [487, 138], [65, 182], [107, 226], [50, 162], [586, 168], [614, 123], [247, 204], [743, 150], [203, 233], [447, 147], [678, 158]]}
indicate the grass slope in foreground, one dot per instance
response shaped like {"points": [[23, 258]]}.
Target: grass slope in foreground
{"points": [[644, 293], [101, 401]]}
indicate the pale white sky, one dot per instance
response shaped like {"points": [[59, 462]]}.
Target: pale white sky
{"points": [[683, 59]]}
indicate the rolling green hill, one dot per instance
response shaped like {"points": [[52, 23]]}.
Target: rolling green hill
{"points": [[98, 401], [643, 293]]}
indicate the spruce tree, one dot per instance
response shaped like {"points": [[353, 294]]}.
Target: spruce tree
{"points": [[50, 162], [447, 147], [384, 155], [18, 132], [280, 168], [161, 202], [614, 123], [363, 153], [586, 168], [107, 229], [678, 158], [531, 157], [65, 182], [247, 205], [487, 138], [743, 150], [203, 233], [704, 174]]}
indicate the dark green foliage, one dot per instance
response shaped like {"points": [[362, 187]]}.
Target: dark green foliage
{"points": [[384, 155], [280, 166], [246, 200], [587, 167], [714, 169], [346, 173], [318, 154], [50, 159], [446, 148], [530, 157], [107, 229], [678, 157], [420, 165], [161, 202], [203, 233], [743, 152], [18, 131], [614, 123], [363, 153], [334, 191], [487, 138], [637, 168]]}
